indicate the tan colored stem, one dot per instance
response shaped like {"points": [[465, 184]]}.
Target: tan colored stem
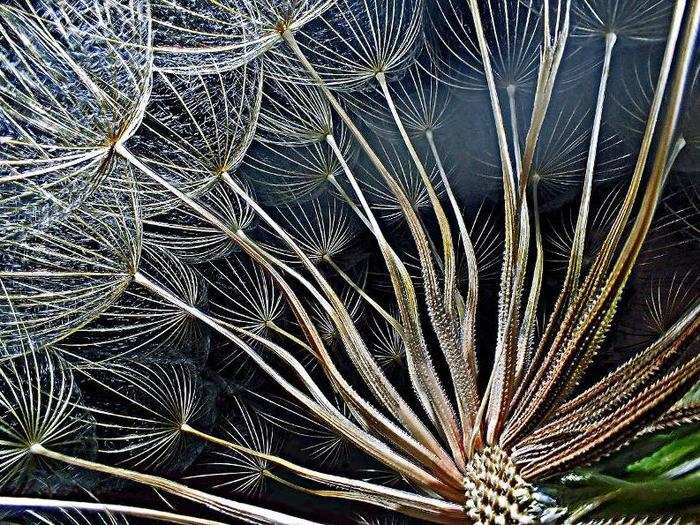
{"points": [[527, 328], [364, 362], [434, 456], [351, 488], [427, 378], [585, 319], [468, 321], [242, 511], [420, 365], [514, 130], [362, 293], [321, 406], [578, 245], [552, 55], [107, 508], [443, 223]]}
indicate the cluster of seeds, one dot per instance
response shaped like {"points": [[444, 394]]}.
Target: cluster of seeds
{"points": [[495, 492]]}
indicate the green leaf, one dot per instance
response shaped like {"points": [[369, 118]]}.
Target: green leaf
{"points": [[667, 457]]}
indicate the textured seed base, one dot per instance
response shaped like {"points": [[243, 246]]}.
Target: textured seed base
{"points": [[495, 492]]}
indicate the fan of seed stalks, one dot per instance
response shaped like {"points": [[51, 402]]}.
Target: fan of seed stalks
{"points": [[425, 256]]}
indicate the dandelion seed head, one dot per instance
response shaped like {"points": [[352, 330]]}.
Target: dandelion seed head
{"points": [[204, 36], [68, 93], [388, 348], [244, 296], [183, 233], [360, 40], [642, 21], [284, 174], [513, 29], [383, 199], [327, 328], [236, 470], [562, 231], [140, 324], [196, 128], [293, 115], [39, 407], [421, 100], [76, 517], [323, 230], [57, 278], [319, 442], [145, 406]]}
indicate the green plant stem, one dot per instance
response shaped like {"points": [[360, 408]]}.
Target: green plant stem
{"points": [[664, 496]]}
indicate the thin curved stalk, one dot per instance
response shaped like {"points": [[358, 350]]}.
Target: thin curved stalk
{"points": [[414, 224], [604, 256], [326, 412], [588, 407], [527, 329], [395, 324], [242, 511], [109, 508], [500, 387], [665, 147], [422, 455], [351, 489], [348, 200], [514, 130], [288, 335], [414, 425], [380, 385], [394, 264], [552, 55], [503, 389], [577, 248], [422, 374], [468, 318], [456, 517]]}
